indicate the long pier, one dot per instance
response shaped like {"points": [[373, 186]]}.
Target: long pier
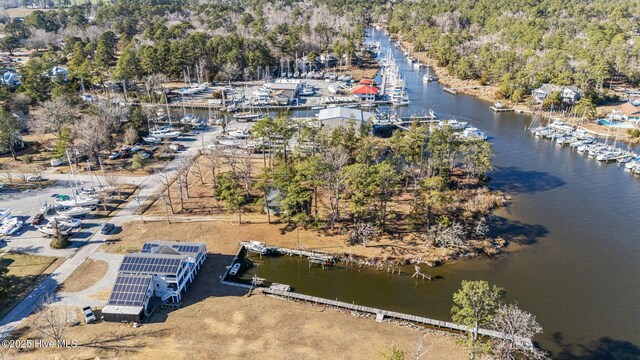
{"points": [[381, 314]]}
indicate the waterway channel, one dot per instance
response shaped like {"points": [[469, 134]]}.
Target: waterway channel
{"points": [[574, 226]]}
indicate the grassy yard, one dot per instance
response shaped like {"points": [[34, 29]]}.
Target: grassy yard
{"points": [[25, 273]]}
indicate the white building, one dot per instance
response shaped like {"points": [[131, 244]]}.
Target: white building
{"points": [[162, 269], [341, 116]]}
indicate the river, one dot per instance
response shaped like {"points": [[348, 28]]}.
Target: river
{"points": [[574, 226]]}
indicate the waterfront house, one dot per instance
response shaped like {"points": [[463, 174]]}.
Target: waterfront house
{"points": [[568, 94], [163, 269], [629, 112], [365, 92]]}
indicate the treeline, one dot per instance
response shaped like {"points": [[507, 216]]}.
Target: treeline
{"points": [[521, 44], [127, 40]]}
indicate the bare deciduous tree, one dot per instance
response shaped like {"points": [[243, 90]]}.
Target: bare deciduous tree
{"points": [[518, 327], [333, 179], [92, 135], [52, 115], [41, 39], [130, 135], [53, 321], [363, 233]]}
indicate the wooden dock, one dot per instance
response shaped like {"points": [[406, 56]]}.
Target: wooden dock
{"points": [[315, 257], [450, 91], [500, 109], [381, 314]]}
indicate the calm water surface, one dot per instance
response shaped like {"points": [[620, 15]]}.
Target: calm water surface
{"points": [[576, 230]]}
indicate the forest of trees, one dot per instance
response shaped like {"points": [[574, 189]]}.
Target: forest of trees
{"points": [[127, 40], [520, 44]]}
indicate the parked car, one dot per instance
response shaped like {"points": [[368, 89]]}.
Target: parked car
{"points": [[107, 228], [135, 149], [89, 316], [115, 155], [37, 219], [145, 155], [124, 147], [34, 178], [56, 162]]}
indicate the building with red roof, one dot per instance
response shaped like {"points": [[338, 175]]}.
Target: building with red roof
{"points": [[365, 92]]}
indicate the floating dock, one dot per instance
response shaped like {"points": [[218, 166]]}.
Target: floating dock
{"points": [[315, 257], [450, 91]]}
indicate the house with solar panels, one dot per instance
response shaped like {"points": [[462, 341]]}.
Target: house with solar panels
{"points": [[162, 270]]}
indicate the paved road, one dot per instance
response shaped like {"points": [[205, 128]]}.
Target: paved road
{"points": [[148, 185]]}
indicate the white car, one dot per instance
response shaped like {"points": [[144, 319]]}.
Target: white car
{"points": [[56, 162], [34, 178]]}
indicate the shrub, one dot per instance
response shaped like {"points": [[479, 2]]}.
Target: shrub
{"points": [[59, 242], [27, 159]]}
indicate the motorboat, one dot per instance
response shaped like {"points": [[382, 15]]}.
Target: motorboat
{"points": [[51, 229], [152, 140], [455, 124], [473, 133], [66, 221], [246, 116], [234, 269], [71, 211], [10, 226], [428, 78], [240, 133], [227, 141]]}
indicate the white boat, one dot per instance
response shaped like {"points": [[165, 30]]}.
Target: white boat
{"points": [[10, 226], [239, 133], [257, 247], [427, 78], [152, 140], [80, 200], [227, 141], [455, 124], [45, 208], [472, 133], [73, 210], [164, 133], [317, 107], [50, 229], [234, 269], [5, 214], [66, 221]]}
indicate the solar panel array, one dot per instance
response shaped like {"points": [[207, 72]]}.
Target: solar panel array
{"points": [[186, 248], [129, 290], [150, 264], [150, 248]]}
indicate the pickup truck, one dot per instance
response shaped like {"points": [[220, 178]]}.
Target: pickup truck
{"points": [[89, 317]]}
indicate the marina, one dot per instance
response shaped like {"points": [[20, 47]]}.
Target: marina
{"points": [[565, 265]]}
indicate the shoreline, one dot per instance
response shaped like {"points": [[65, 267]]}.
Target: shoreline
{"points": [[487, 93]]}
